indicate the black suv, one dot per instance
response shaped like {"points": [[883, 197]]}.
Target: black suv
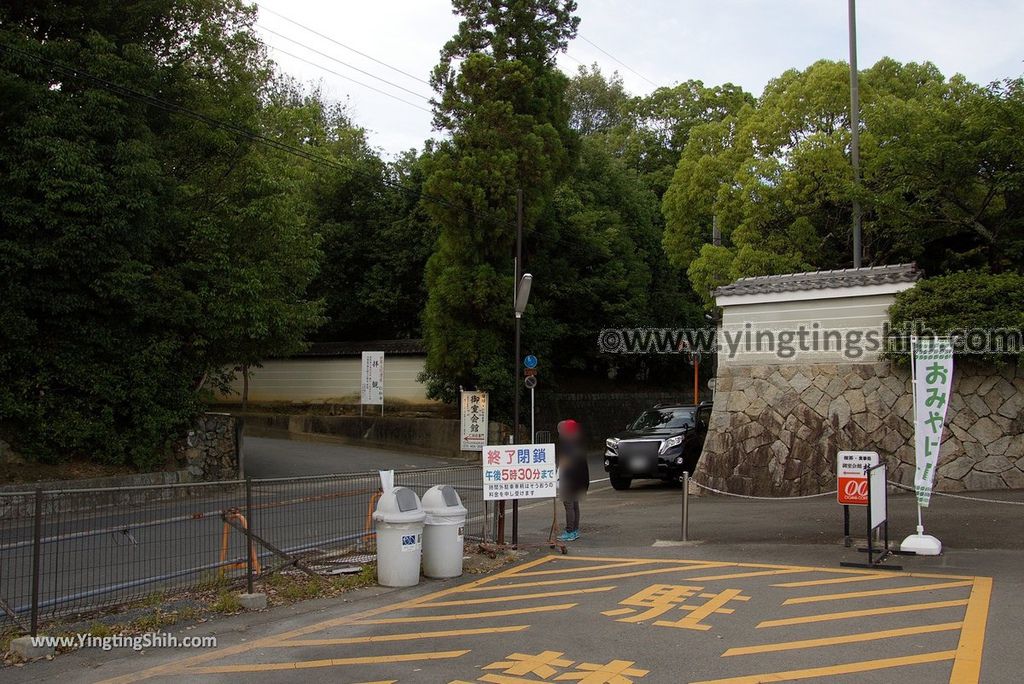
{"points": [[661, 443]]}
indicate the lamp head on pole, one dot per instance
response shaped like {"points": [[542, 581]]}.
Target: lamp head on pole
{"points": [[523, 294]]}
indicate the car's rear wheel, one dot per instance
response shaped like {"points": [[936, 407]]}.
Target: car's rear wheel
{"points": [[620, 482]]}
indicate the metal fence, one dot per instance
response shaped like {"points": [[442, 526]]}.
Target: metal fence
{"points": [[77, 550]]}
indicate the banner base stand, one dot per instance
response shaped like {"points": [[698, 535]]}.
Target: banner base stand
{"points": [[921, 544]]}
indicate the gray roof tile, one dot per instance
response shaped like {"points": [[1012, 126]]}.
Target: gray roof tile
{"points": [[820, 280]]}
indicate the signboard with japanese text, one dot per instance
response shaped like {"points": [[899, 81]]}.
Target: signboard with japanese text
{"points": [[372, 380], [519, 471], [852, 477], [933, 377], [473, 436]]}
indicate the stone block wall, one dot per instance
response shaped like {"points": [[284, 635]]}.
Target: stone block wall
{"points": [[210, 450], [775, 429]]}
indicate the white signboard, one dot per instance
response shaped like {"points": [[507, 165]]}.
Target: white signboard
{"points": [[474, 421], [519, 471], [933, 378], [878, 509], [852, 476], [372, 382]]}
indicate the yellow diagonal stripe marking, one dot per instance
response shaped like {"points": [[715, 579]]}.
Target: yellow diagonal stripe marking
{"points": [[967, 666], [340, 641], [755, 573], [327, 662], [516, 597], [832, 670], [877, 592], [586, 568], [469, 616], [824, 617], [838, 580], [600, 578], [844, 639]]}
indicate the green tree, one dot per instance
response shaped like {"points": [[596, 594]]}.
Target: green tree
{"points": [[939, 182], [140, 251], [502, 102]]}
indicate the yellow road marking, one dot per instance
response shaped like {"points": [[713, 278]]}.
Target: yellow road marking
{"points": [[291, 643], [600, 578], [877, 592], [177, 666], [861, 613], [608, 559], [830, 670], [845, 639], [587, 568], [469, 616], [967, 666], [328, 662], [837, 580], [517, 597], [756, 573]]}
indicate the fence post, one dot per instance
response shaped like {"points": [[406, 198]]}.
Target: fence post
{"points": [[248, 535], [686, 504], [37, 552]]}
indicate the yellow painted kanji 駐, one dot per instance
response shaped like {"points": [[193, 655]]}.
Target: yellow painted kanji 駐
{"points": [[660, 599]]}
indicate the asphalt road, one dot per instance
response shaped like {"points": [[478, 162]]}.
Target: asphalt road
{"points": [[270, 457], [94, 557], [761, 596]]}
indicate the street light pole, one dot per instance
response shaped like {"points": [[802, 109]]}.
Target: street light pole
{"points": [[515, 359], [855, 133]]}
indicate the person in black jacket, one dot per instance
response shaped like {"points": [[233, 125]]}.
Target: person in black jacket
{"points": [[573, 475]]}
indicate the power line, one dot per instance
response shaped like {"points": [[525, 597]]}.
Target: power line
{"points": [[240, 131], [335, 59], [349, 78], [634, 71], [340, 44]]}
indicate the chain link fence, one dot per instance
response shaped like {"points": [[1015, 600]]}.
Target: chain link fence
{"points": [[78, 550]]}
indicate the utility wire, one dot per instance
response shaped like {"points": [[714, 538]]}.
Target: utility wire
{"points": [[348, 78], [264, 8], [238, 130], [335, 59], [581, 37]]}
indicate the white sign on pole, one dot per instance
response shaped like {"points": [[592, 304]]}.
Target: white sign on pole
{"points": [[474, 421], [877, 510], [933, 378], [852, 476], [519, 471], [372, 387]]}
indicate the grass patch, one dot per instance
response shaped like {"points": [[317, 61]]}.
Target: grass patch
{"points": [[227, 602]]}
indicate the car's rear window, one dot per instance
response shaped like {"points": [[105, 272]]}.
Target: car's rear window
{"points": [[663, 418]]}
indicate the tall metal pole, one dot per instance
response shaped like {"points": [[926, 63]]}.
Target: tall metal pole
{"points": [[515, 361], [855, 133]]}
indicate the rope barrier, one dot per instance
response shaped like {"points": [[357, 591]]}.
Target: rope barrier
{"points": [[763, 498], [960, 496], [833, 492]]}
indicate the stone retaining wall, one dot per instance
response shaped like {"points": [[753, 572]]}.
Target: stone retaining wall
{"points": [[775, 430]]}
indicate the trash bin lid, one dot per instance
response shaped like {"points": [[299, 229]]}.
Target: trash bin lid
{"points": [[400, 505], [443, 500]]}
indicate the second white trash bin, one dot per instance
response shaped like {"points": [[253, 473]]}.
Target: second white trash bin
{"points": [[443, 533], [398, 521]]}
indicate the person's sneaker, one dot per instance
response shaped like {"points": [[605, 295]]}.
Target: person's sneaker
{"points": [[565, 536], [574, 535]]}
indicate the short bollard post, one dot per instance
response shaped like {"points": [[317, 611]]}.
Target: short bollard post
{"points": [[686, 503]]}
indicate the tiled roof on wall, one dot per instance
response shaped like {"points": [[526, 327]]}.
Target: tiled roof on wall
{"points": [[821, 280], [400, 347]]}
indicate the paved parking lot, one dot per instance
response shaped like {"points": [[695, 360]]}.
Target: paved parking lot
{"points": [[622, 607], [611, 619]]}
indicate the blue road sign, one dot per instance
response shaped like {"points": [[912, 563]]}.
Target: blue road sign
{"points": [[530, 361]]}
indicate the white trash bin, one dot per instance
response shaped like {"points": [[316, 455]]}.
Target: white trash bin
{"points": [[398, 521], [443, 533]]}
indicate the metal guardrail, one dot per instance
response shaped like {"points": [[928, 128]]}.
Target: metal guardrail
{"points": [[87, 549]]}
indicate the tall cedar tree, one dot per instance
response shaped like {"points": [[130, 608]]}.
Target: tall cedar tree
{"points": [[502, 101]]}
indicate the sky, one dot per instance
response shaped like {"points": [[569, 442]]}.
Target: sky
{"points": [[649, 42]]}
